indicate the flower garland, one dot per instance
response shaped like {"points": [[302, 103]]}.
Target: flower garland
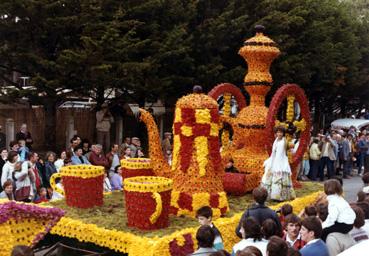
{"points": [[181, 242], [148, 201], [25, 224]]}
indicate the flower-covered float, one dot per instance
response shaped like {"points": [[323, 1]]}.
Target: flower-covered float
{"points": [[128, 222], [24, 224], [253, 125]]}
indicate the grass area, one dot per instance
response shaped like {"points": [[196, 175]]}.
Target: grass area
{"points": [[112, 214]]}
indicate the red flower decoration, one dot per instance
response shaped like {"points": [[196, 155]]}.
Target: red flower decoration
{"points": [[221, 89], [186, 249]]}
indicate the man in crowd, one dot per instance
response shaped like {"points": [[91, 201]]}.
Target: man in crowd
{"points": [[311, 231], [347, 153], [367, 155], [292, 226], [78, 157], [166, 143], [24, 134], [259, 210], [135, 146], [103, 123], [113, 157], [362, 148], [98, 158], [328, 157]]}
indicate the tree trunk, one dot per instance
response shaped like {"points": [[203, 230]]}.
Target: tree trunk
{"points": [[50, 124]]}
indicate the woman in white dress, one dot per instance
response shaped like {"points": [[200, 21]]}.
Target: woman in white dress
{"points": [[277, 174]]}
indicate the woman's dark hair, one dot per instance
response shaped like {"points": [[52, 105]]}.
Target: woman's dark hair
{"points": [[260, 195], [332, 187], [360, 218], [252, 229], [313, 224], [11, 156], [220, 253], [205, 237], [364, 205], [48, 154], [361, 196], [280, 129], [22, 250], [269, 228], [322, 211], [316, 140], [277, 247], [286, 209], [250, 251]]}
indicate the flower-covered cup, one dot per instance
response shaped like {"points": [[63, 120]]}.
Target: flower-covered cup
{"points": [[82, 184], [148, 201]]}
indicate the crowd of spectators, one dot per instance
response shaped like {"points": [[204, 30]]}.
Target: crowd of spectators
{"points": [[330, 226], [25, 176]]}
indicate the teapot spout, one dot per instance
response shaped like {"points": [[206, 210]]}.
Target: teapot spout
{"points": [[159, 164]]}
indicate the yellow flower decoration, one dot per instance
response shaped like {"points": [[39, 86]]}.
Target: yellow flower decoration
{"points": [[147, 184], [201, 144], [136, 163]]}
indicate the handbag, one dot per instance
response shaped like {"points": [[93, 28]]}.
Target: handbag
{"points": [[22, 193]]}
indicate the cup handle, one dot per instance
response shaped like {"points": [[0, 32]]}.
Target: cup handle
{"points": [[53, 184], [158, 208]]}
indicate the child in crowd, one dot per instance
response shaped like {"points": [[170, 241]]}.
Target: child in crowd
{"points": [[205, 217], [23, 150], [107, 185], [340, 217], [205, 238], [42, 196], [292, 231], [363, 203], [7, 190], [285, 210]]}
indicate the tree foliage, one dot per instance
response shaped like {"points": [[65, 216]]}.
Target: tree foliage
{"points": [[150, 49]]}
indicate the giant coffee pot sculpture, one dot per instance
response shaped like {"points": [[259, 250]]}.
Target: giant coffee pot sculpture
{"points": [[254, 124], [197, 168]]}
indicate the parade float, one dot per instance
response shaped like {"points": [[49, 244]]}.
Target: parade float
{"points": [[154, 215]]}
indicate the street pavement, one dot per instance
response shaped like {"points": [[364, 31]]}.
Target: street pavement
{"points": [[351, 187]]}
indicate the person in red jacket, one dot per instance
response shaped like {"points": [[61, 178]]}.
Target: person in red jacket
{"points": [[98, 158], [292, 231]]}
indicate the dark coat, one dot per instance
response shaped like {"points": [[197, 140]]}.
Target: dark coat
{"points": [[260, 212]]}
